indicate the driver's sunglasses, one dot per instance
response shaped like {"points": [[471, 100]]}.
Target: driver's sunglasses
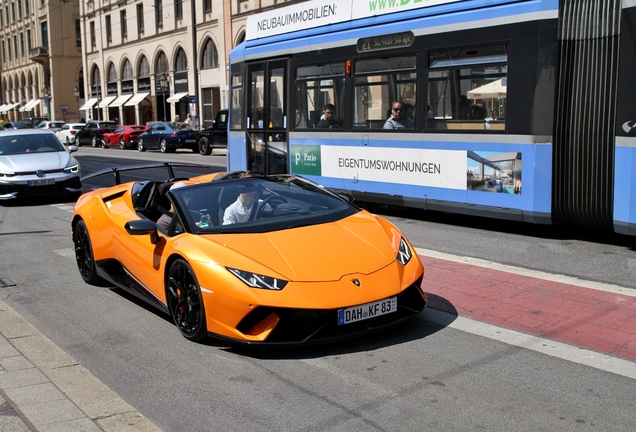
{"points": [[397, 109]]}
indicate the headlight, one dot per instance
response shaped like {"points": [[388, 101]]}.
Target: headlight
{"points": [[404, 253], [71, 169], [6, 174], [258, 281]]}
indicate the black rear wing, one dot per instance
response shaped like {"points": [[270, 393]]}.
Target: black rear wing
{"points": [[116, 170]]}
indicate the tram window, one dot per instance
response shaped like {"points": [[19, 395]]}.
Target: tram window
{"points": [[467, 89], [277, 99], [380, 82], [237, 102], [317, 86]]}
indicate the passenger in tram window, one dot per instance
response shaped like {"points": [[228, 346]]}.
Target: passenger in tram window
{"points": [[398, 119], [464, 108], [329, 119], [477, 112]]}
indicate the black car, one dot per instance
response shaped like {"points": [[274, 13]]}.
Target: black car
{"points": [[215, 136], [168, 137], [92, 133]]}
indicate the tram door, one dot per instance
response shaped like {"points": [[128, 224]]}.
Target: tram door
{"points": [[267, 117]]}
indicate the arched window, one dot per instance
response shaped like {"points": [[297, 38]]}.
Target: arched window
{"points": [[181, 64], [95, 76], [127, 71], [112, 73], [144, 68], [162, 64], [210, 56]]}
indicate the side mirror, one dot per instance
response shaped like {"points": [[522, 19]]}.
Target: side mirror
{"points": [[143, 227], [73, 148]]}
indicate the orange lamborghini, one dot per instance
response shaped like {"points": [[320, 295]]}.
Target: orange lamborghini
{"points": [[262, 259]]}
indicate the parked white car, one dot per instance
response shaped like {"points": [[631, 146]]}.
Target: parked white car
{"points": [[53, 126], [67, 133]]}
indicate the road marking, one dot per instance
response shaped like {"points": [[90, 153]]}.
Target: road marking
{"points": [[64, 207], [599, 286], [549, 347], [67, 253]]}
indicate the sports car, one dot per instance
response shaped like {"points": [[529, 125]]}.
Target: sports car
{"points": [[300, 265], [124, 137]]}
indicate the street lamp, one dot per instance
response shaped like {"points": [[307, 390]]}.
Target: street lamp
{"points": [[163, 82], [98, 93], [76, 92]]}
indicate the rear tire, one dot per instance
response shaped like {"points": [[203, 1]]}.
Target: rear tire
{"points": [[122, 143], [163, 146], [140, 145], [94, 141], [185, 302], [204, 146], [84, 254]]}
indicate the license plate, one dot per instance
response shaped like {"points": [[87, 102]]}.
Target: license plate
{"points": [[366, 311], [191, 141], [41, 182]]}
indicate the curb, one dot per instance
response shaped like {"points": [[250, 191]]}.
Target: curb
{"points": [[44, 389]]}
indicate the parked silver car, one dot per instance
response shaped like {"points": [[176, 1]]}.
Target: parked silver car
{"points": [[33, 162]]}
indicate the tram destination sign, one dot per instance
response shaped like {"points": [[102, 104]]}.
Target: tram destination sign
{"points": [[385, 42]]}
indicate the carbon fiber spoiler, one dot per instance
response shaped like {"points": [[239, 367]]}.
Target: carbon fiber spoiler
{"points": [[116, 170]]}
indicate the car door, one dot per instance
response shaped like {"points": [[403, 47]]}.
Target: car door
{"points": [[84, 135], [63, 133]]}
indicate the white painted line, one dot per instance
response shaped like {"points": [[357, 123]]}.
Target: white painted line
{"points": [[64, 207], [569, 280], [68, 253], [559, 350]]}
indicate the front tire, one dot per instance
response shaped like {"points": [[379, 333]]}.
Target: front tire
{"points": [[84, 254], [140, 145], [163, 146], [122, 143], [104, 146], [68, 142], [185, 302]]}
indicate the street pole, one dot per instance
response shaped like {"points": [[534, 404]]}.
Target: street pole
{"points": [[76, 92], [163, 81]]}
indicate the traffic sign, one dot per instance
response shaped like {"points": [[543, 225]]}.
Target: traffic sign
{"points": [[193, 99]]}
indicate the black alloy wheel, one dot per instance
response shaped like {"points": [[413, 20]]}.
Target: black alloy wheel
{"points": [[185, 302], [204, 146], [84, 254]]}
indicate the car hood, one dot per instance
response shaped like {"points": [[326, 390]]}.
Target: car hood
{"points": [[325, 252], [35, 161]]}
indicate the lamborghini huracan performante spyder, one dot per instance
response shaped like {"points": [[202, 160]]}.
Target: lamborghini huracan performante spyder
{"points": [[270, 260]]}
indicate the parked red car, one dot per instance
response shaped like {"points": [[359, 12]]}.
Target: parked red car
{"points": [[124, 136]]}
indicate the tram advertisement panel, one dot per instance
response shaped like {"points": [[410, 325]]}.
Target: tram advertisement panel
{"points": [[450, 169]]}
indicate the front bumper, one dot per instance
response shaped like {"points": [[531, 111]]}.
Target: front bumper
{"points": [[18, 187]]}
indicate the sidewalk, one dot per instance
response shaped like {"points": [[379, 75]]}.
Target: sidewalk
{"points": [[43, 389]]}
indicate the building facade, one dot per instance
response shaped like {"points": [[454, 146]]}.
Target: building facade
{"points": [[40, 46]]}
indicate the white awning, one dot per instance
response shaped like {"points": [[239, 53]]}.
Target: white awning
{"points": [[136, 99], [495, 89], [176, 97], [120, 100], [106, 101], [27, 105], [30, 105], [89, 104], [10, 107], [2, 106]]}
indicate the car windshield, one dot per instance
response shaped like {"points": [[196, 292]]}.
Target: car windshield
{"points": [[57, 124], [22, 144], [258, 205]]}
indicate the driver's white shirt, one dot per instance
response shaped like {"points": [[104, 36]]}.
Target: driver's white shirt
{"points": [[236, 212]]}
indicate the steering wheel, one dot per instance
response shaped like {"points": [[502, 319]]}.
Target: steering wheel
{"points": [[259, 208]]}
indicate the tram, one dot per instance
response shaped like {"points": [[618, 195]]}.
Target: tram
{"points": [[513, 109]]}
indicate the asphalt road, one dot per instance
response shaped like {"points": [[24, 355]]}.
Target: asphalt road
{"points": [[420, 376]]}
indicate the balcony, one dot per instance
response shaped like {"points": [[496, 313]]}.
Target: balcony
{"points": [[39, 54]]}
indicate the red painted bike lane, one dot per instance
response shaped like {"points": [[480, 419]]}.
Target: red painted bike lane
{"points": [[597, 320]]}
